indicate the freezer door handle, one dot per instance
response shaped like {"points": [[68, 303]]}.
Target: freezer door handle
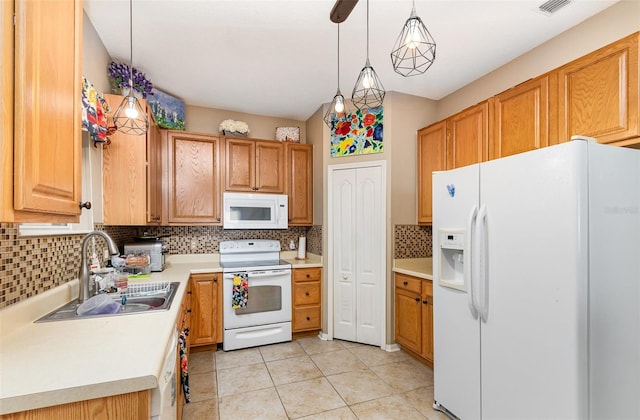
{"points": [[483, 263], [468, 261]]}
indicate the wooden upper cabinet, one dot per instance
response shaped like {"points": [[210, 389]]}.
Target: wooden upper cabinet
{"points": [[431, 157], [269, 167], [154, 172], [131, 166], [520, 119], [299, 183], [468, 133], [598, 94], [47, 126], [194, 178], [254, 165]]}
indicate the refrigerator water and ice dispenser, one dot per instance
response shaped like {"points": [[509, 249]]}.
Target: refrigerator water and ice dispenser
{"points": [[452, 258]]}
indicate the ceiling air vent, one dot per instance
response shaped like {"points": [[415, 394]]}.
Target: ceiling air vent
{"points": [[552, 6]]}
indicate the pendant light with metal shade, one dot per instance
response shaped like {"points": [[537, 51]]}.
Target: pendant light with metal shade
{"points": [[415, 48], [368, 91], [338, 108], [130, 118]]}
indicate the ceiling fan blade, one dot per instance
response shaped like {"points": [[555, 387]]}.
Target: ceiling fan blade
{"points": [[341, 10]]}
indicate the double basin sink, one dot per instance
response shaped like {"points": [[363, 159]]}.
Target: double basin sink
{"points": [[133, 304]]}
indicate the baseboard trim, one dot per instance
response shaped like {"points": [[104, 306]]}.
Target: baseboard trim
{"points": [[391, 347]]}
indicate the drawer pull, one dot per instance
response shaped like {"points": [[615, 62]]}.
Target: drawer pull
{"points": [[308, 319], [308, 275], [306, 293], [406, 283]]}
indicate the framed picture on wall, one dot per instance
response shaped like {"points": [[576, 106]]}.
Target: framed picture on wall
{"points": [[167, 110]]}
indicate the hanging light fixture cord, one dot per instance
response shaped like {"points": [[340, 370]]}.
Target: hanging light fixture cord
{"points": [[131, 46], [338, 57]]}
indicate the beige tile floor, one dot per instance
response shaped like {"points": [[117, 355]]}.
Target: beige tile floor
{"points": [[311, 379]]}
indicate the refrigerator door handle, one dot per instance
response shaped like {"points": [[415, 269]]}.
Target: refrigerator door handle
{"points": [[468, 261], [483, 263]]}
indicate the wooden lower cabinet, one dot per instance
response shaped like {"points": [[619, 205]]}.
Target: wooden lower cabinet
{"points": [[414, 315], [206, 315], [307, 299], [134, 405]]}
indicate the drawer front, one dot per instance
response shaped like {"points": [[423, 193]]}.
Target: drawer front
{"points": [[306, 274], [308, 318], [307, 293], [427, 287], [412, 284]]}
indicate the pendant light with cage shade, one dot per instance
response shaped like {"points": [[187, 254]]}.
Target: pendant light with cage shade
{"points": [[338, 107], [368, 91], [415, 49], [130, 118]]}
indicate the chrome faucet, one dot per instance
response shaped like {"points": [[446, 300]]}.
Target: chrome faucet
{"points": [[83, 275]]}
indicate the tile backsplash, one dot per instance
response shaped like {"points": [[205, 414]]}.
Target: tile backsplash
{"points": [[32, 265], [412, 241]]}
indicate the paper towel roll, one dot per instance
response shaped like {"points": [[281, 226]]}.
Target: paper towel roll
{"points": [[302, 248]]}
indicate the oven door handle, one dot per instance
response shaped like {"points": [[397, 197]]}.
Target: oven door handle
{"points": [[269, 273]]}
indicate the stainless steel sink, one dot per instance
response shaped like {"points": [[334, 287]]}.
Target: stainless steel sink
{"points": [[159, 301]]}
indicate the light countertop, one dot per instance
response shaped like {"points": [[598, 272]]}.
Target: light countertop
{"points": [[58, 362], [417, 267]]}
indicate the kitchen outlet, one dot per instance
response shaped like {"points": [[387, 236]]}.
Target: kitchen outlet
{"points": [[194, 245]]}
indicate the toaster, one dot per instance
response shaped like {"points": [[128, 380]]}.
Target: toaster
{"points": [[156, 250]]}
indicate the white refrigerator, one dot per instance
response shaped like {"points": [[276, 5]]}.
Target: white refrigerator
{"points": [[537, 285]]}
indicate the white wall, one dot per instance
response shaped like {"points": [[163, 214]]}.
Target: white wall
{"points": [[618, 21]]}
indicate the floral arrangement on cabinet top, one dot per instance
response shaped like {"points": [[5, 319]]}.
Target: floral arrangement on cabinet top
{"points": [[121, 75]]}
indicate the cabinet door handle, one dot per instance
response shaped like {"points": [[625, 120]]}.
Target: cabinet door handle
{"points": [[215, 279], [189, 292], [406, 283], [217, 219], [418, 299], [85, 205], [425, 301], [188, 311]]}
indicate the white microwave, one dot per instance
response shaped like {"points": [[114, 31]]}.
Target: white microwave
{"points": [[255, 211]]}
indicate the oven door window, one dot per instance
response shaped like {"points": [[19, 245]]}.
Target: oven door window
{"points": [[262, 299]]}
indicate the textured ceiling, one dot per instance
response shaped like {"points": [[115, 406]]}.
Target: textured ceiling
{"points": [[279, 58]]}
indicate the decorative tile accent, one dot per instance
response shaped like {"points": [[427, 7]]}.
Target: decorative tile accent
{"points": [[314, 239], [412, 241], [32, 265]]}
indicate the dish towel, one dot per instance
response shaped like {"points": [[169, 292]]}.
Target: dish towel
{"points": [[240, 291], [94, 109], [184, 365]]}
